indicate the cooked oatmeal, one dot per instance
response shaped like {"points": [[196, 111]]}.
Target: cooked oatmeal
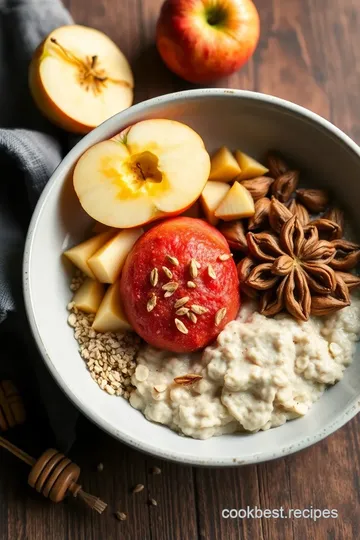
{"points": [[260, 373]]}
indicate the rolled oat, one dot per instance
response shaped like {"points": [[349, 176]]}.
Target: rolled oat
{"points": [[110, 357]]}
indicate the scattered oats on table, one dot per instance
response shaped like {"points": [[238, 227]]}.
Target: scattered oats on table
{"points": [[109, 357]]}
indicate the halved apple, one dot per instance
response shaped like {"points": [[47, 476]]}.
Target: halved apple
{"points": [[157, 168], [224, 166], [89, 296], [110, 316], [250, 168], [78, 78], [211, 197], [106, 264], [80, 254], [237, 203]]}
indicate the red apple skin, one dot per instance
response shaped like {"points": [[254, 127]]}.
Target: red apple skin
{"points": [[199, 52], [184, 238]]}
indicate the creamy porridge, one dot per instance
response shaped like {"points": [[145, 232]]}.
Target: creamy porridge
{"points": [[260, 373]]}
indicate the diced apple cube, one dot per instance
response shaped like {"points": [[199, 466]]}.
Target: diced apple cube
{"points": [[80, 254], [237, 204], [211, 197], [224, 166], [107, 263], [89, 296], [250, 168], [110, 316]]}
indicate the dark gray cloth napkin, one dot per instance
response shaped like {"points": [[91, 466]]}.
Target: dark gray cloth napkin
{"points": [[30, 149]]}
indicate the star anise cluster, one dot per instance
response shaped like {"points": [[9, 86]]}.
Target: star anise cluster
{"points": [[299, 266], [296, 258]]}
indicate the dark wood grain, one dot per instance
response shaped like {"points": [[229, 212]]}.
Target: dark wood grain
{"points": [[308, 53]]}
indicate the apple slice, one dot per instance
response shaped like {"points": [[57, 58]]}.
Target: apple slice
{"points": [[237, 204], [89, 296], [80, 254], [250, 168], [107, 263], [211, 197], [224, 166], [158, 168], [110, 316], [78, 78]]}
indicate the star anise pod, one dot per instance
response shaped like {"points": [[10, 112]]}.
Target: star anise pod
{"points": [[276, 163], [293, 267], [329, 303], [328, 230], [278, 214], [347, 255], [244, 268], [299, 210], [352, 281], [336, 215], [234, 233]]}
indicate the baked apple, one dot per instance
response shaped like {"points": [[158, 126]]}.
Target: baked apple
{"points": [[179, 285]]}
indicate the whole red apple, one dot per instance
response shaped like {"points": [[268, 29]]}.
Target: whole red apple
{"points": [[203, 40]]}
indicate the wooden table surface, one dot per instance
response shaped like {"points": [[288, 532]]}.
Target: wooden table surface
{"points": [[309, 53]]}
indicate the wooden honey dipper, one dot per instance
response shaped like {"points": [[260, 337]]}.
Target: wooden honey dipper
{"points": [[55, 476], [12, 410]]}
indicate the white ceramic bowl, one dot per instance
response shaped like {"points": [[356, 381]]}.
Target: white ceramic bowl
{"points": [[246, 120]]}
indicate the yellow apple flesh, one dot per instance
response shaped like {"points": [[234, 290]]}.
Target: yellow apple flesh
{"points": [[110, 316], [89, 296], [250, 168], [211, 197], [237, 203], [80, 254], [157, 169], [224, 166], [107, 263], [78, 78]]}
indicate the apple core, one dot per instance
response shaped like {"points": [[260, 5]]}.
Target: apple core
{"points": [[145, 166]]}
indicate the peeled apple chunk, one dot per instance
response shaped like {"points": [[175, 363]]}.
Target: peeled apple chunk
{"points": [[78, 78], [250, 168], [80, 254], [237, 203], [156, 168], [89, 296], [110, 316], [211, 197], [107, 263], [224, 166]]}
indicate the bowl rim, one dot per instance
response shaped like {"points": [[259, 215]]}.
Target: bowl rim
{"points": [[341, 419]]}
